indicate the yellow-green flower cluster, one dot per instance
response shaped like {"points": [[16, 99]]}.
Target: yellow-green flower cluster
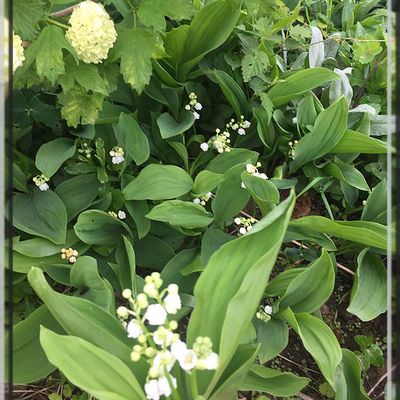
{"points": [[193, 105], [69, 254], [244, 224], [41, 182], [292, 148], [92, 32]]}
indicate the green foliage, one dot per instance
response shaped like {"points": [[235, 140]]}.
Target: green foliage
{"points": [[137, 183]]}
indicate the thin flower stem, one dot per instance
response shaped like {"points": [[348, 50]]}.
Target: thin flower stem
{"points": [[61, 25], [175, 394], [193, 385]]}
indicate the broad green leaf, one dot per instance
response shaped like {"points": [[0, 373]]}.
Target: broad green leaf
{"points": [[212, 239], [230, 197], [255, 63], [78, 193], [273, 337], [265, 128], [85, 276], [328, 129], [299, 83], [223, 162], [364, 52], [369, 293], [99, 327], [264, 193], [235, 373], [29, 362], [159, 182], [346, 173], [153, 12], [297, 232], [348, 385], [181, 213], [230, 288], [277, 383], [152, 252], [98, 372], [232, 92], [208, 30], [52, 155], [126, 259], [308, 291], [279, 285], [26, 15], [318, 340], [47, 52], [353, 141], [170, 128], [131, 137], [375, 209], [100, 228], [366, 233], [306, 111], [80, 107], [138, 210], [41, 213], [136, 48], [206, 181]]}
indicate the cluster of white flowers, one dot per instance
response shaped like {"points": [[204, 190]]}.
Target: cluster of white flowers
{"points": [[240, 126], [92, 32], [221, 141], [120, 214], [69, 254], [292, 148], [117, 154], [244, 224], [203, 199], [18, 52], [162, 348], [264, 313], [85, 150], [41, 182], [194, 105]]}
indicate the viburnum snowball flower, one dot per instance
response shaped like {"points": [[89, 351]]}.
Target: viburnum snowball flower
{"points": [[18, 52], [92, 32]]}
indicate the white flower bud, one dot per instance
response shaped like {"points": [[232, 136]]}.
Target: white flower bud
{"points": [[196, 200], [268, 310], [44, 187], [142, 300], [152, 390], [172, 303], [242, 230], [122, 312], [121, 214], [126, 293], [155, 314], [196, 115], [18, 53], [237, 221], [198, 106], [134, 329], [204, 146]]}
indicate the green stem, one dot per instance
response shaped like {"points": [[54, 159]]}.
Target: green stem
{"points": [[175, 394], [51, 21], [328, 207], [193, 385], [134, 20]]}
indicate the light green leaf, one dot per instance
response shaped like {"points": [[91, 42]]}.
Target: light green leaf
{"points": [[318, 340], [29, 362], [230, 288], [309, 290], [52, 155], [366, 233], [136, 48], [131, 137], [354, 141], [206, 181], [329, 128], [79, 106], [85, 276], [47, 52], [113, 381], [299, 83], [265, 127], [153, 12], [369, 293], [346, 173], [181, 213], [277, 383], [254, 64], [41, 213], [170, 128], [100, 228], [159, 182], [26, 15], [375, 209], [126, 259]]}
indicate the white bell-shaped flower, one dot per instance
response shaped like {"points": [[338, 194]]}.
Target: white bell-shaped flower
{"points": [[155, 314], [134, 329], [152, 389]]}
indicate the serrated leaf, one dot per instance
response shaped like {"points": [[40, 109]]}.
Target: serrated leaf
{"points": [[26, 15], [80, 107], [47, 52], [254, 64], [153, 12], [136, 48]]}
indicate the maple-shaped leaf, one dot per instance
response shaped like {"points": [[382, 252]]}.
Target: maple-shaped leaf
{"points": [[136, 48], [79, 106], [26, 15], [255, 64], [153, 12], [47, 52]]}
